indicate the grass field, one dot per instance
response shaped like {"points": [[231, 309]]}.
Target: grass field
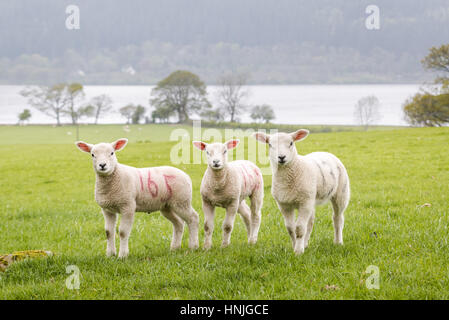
{"points": [[47, 202]]}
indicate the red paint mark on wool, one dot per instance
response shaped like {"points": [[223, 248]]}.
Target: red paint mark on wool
{"points": [[244, 175], [169, 189], [150, 184], [257, 178], [141, 181]]}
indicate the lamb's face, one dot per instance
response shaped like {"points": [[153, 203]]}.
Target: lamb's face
{"points": [[103, 155], [103, 158], [216, 153], [282, 147]]}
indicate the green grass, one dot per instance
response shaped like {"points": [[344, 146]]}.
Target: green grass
{"points": [[47, 202]]}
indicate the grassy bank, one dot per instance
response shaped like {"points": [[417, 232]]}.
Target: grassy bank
{"points": [[397, 220]]}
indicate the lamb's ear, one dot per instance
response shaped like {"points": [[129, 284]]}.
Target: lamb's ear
{"points": [[262, 137], [119, 144], [231, 144], [299, 135], [200, 145], [83, 146]]}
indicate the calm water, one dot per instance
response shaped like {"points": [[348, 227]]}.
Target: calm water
{"points": [[295, 104]]}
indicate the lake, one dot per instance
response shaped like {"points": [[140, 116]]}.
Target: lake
{"points": [[293, 104]]}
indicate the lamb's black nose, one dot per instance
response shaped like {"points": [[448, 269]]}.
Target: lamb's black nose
{"points": [[281, 158], [102, 165]]}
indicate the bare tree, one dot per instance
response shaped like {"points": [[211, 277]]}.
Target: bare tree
{"points": [[101, 104], [366, 111], [232, 93], [51, 101], [74, 94]]}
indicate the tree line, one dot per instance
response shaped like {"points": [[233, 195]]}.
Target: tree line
{"points": [[183, 94], [179, 96]]}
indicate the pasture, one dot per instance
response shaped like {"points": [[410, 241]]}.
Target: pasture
{"points": [[397, 220]]}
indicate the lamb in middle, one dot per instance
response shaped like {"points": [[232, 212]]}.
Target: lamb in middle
{"points": [[227, 185]]}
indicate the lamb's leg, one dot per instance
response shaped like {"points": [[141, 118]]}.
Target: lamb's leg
{"points": [[289, 219], [339, 220], [256, 206], [193, 229], [178, 228], [245, 213], [309, 230], [305, 211], [228, 223], [126, 224], [209, 214], [110, 219], [339, 203], [189, 215]]}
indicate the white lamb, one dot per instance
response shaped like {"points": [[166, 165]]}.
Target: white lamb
{"points": [[227, 185], [302, 182], [124, 189]]}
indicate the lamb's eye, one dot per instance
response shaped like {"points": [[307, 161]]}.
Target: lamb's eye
{"points": [[225, 151], [207, 152], [93, 156], [270, 145], [291, 143], [112, 153]]}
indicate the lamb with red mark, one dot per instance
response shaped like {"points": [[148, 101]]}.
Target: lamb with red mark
{"points": [[120, 189], [228, 185]]}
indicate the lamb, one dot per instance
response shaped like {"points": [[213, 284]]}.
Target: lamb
{"points": [[302, 182], [123, 189], [227, 185]]}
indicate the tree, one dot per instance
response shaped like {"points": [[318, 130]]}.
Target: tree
{"points": [[74, 93], [181, 92], [84, 111], [262, 113], [128, 112], [232, 93], [24, 116], [100, 104], [426, 109], [366, 111], [431, 108], [438, 60], [214, 115], [51, 101], [138, 114], [162, 113]]}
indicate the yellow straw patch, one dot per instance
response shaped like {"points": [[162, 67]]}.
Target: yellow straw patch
{"points": [[7, 259]]}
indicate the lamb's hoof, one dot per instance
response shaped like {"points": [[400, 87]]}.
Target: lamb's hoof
{"points": [[339, 243], [123, 255], [224, 245], [110, 254], [194, 247], [207, 247], [299, 252], [252, 241], [174, 248]]}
